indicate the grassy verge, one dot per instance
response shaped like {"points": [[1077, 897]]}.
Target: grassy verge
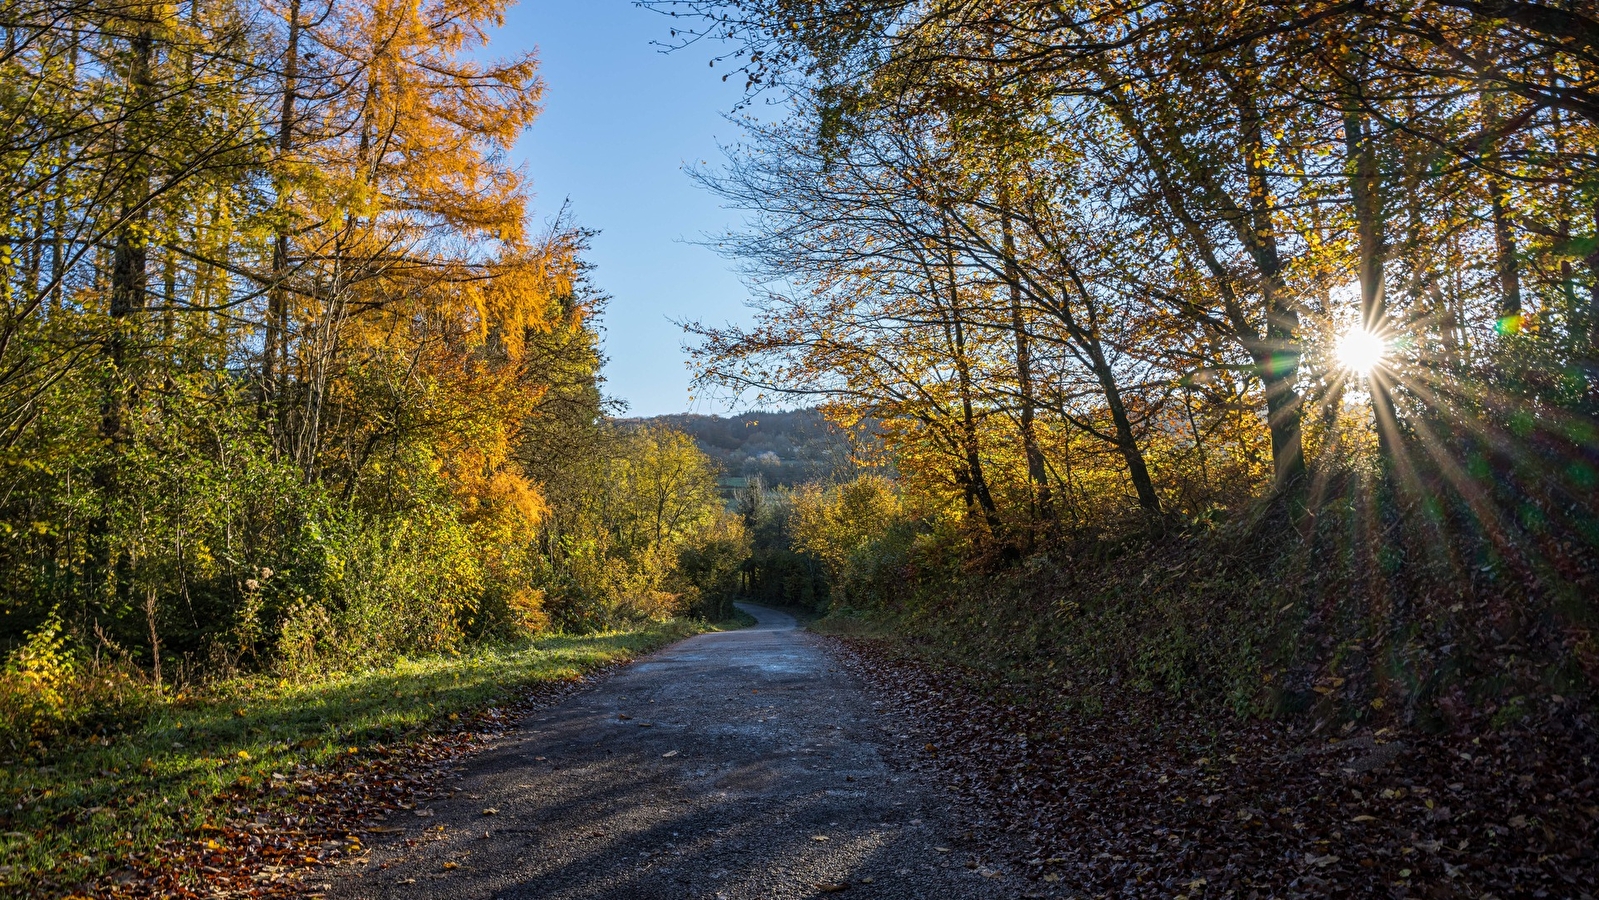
{"points": [[89, 804]]}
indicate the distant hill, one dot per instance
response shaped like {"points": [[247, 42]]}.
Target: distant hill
{"points": [[783, 448]]}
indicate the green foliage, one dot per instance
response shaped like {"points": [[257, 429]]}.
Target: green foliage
{"points": [[859, 531], [775, 572], [707, 572], [638, 530], [52, 693], [275, 398]]}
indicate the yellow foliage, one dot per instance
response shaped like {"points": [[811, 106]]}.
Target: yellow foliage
{"points": [[526, 609]]}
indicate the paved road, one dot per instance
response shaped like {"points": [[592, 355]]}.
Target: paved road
{"points": [[734, 765]]}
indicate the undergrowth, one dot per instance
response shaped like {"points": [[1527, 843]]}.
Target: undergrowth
{"points": [[1353, 613]]}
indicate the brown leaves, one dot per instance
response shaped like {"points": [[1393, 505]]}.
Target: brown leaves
{"points": [[1147, 798], [266, 840]]}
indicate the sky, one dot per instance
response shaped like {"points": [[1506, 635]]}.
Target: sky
{"points": [[621, 120]]}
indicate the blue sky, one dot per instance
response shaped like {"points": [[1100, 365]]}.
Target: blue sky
{"points": [[620, 122]]}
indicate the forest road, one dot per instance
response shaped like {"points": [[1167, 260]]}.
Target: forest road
{"points": [[739, 765]]}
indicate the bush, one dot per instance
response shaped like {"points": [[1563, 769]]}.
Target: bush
{"points": [[708, 569], [50, 689]]}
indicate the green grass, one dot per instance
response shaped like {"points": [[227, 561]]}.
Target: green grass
{"points": [[89, 804]]}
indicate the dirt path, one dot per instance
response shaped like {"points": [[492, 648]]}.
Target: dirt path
{"points": [[734, 765]]}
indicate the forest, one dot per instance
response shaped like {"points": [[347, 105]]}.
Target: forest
{"points": [[1244, 351], [290, 381], [1208, 378], [1239, 369], [781, 448]]}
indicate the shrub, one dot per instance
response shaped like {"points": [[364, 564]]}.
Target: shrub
{"points": [[50, 689]]}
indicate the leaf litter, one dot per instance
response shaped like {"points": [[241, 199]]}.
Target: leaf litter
{"points": [[1147, 799], [278, 839]]}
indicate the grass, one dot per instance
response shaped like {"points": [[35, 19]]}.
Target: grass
{"points": [[88, 804]]}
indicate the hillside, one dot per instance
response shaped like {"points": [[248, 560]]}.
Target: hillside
{"points": [[783, 448]]}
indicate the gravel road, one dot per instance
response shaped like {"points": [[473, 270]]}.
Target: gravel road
{"points": [[741, 764]]}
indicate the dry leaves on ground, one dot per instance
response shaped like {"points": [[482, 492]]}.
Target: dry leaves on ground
{"points": [[1148, 800]]}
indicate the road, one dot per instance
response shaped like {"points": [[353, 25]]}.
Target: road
{"points": [[731, 766]]}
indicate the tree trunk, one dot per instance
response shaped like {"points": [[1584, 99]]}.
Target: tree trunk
{"points": [[1086, 336], [1365, 191], [150, 610], [129, 284], [1037, 472], [1593, 296], [1137, 470], [1509, 269], [1277, 356], [130, 255], [274, 355], [977, 489]]}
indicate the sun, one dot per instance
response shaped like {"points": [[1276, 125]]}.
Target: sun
{"points": [[1361, 351]]}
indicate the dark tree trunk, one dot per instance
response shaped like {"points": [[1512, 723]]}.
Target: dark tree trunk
{"points": [[1037, 472], [1365, 191], [1126, 442], [975, 481], [1509, 269], [129, 286], [275, 346]]}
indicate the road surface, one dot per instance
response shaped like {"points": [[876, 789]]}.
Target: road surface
{"points": [[731, 766]]}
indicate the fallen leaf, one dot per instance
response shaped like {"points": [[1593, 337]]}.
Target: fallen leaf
{"points": [[452, 865], [832, 887]]}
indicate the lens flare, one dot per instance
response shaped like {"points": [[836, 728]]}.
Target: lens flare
{"points": [[1361, 351]]}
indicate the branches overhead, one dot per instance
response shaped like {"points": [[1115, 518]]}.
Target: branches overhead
{"points": [[1116, 212]]}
